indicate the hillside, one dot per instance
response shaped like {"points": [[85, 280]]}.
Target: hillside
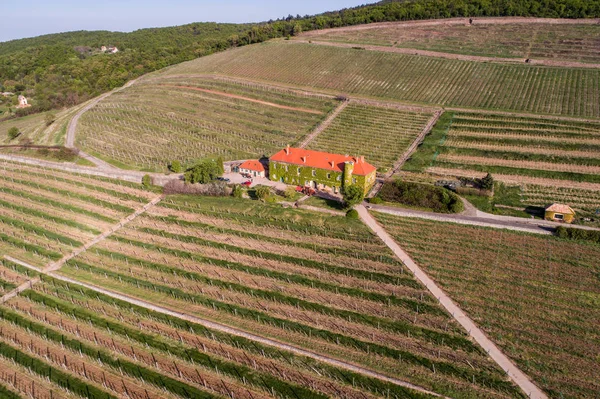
{"points": [[57, 70], [412, 78]]}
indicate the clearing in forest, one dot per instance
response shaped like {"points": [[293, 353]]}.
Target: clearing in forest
{"points": [[319, 282], [381, 134], [535, 296], [565, 42], [430, 80], [155, 122]]}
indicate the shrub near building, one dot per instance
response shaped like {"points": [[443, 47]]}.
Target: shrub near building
{"points": [[418, 195]]}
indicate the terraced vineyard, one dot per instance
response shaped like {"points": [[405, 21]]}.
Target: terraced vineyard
{"points": [[411, 78], [319, 282], [559, 157], [536, 296], [389, 132], [150, 124], [44, 215], [568, 42]]}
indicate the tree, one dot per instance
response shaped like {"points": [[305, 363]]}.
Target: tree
{"points": [[202, 173], [290, 192], [50, 118], [146, 181], [353, 195], [13, 133], [220, 166], [238, 191], [487, 183], [262, 192], [175, 167]]}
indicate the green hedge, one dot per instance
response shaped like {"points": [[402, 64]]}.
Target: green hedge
{"points": [[438, 199], [578, 234]]}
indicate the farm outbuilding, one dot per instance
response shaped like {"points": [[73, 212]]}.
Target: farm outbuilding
{"points": [[560, 213], [253, 168]]}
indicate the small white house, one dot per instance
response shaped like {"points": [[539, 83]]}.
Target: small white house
{"points": [[23, 102], [103, 49], [113, 50], [252, 168], [8, 94]]}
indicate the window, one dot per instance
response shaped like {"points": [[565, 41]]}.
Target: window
{"points": [[274, 177], [298, 171], [559, 216], [314, 172], [287, 168], [329, 175], [354, 180], [339, 178]]}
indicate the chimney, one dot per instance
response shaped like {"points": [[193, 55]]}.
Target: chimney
{"points": [[287, 150], [332, 164], [303, 159]]}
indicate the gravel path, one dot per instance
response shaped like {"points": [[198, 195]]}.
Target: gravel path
{"points": [[324, 125], [515, 374]]}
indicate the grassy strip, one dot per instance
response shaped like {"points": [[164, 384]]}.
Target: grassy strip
{"points": [[346, 377], [236, 371], [414, 305], [520, 156], [18, 268], [7, 285], [358, 254], [53, 374], [442, 367], [428, 150], [5, 393], [43, 215], [528, 142], [106, 358], [60, 205], [373, 321], [30, 247], [289, 224], [69, 194], [506, 170], [40, 232], [345, 271]]}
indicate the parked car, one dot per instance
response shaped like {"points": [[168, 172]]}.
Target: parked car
{"points": [[223, 179], [247, 183]]}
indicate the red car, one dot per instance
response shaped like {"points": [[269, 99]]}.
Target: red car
{"points": [[247, 183]]}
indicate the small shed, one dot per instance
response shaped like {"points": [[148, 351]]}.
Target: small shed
{"points": [[253, 168], [560, 213]]}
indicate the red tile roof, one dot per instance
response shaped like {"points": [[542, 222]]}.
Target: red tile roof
{"points": [[253, 165], [322, 160], [560, 208]]}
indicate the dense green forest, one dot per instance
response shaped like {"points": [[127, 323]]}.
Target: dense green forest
{"points": [[65, 69]]}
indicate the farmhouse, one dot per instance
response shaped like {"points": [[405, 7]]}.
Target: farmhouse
{"points": [[23, 102], [253, 168], [321, 170], [560, 213]]}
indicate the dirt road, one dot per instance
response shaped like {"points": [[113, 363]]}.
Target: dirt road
{"points": [[252, 100], [452, 56], [515, 374]]}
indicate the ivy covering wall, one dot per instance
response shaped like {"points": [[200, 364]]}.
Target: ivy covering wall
{"points": [[304, 175]]}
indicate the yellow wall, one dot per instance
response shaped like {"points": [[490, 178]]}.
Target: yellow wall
{"points": [[567, 217]]}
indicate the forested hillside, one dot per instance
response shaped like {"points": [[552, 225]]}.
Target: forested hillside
{"points": [[63, 69]]}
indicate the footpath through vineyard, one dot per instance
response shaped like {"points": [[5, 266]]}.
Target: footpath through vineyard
{"points": [[477, 334]]}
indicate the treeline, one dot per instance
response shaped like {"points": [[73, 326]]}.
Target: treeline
{"points": [[63, 69]]}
